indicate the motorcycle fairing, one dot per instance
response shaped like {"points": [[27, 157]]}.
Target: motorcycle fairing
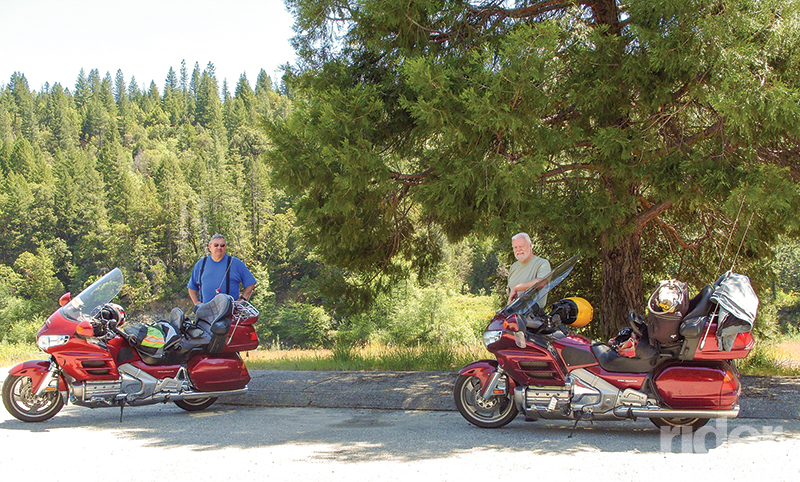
{"points": [[575, 350], [622, 381]]}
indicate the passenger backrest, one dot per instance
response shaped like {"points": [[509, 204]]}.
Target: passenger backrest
{"points": [[694, 321], [221, 306]]}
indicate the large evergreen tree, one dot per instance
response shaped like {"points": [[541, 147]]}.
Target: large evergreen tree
{"points": [[604, 126]]}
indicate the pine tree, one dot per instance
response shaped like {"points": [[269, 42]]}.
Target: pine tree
{"points": [[597, 126], [23, 120]]}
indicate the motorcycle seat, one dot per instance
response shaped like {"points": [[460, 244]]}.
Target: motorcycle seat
{"points": [[646, 358]]}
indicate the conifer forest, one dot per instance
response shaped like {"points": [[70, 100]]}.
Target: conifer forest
{"points": [[374, 190]]}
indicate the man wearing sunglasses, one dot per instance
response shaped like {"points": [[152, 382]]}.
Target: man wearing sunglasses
{"points": [[219, 273]]}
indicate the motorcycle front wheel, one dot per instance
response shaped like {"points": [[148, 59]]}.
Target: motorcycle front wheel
{"points": [[196, 404], [23, 404], [686, 425], [494, 412]]}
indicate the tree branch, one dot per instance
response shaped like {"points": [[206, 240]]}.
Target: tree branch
{"points": [[650, 212], [410, 179]]}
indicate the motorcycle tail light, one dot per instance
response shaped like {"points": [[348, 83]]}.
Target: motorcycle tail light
{"points": [[730, 383]]}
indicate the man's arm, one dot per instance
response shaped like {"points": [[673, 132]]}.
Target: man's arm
{"points": [[194, 295], [524, 287], [248, 290]]}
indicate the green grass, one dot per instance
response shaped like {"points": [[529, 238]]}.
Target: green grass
{"points": [[13, 353], [774, 359], [367, 358]]}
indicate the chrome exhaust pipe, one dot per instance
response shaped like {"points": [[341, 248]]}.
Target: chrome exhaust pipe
{"points": [[172, 397], [652, 412], [196, 395]]}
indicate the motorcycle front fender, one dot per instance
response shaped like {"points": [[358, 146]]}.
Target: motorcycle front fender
{"points": [[36, 370], [483, 370]]}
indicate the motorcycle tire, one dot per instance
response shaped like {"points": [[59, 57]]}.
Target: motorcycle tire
{"points": [[486, 413], [23, 404], [686, 425], [196, 404]]}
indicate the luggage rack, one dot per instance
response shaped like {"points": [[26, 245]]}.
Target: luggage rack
{"points": [[243, 310]]}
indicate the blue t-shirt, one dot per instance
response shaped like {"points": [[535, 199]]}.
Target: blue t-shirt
{"points": [[214, 277]]}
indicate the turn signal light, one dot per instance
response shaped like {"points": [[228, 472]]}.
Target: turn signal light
{"points": [[511, 324], [85, 329]]}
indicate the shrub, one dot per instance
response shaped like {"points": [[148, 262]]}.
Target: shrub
{"points": [[301, 325]]}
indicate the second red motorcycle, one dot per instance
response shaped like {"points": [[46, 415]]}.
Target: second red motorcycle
{"points": [[544, 370]]}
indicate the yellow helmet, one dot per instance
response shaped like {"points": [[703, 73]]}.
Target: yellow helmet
{"points": [[575, 312]]}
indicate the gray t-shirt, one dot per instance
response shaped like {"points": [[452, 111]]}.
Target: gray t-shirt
{"points": [[535, 267]]}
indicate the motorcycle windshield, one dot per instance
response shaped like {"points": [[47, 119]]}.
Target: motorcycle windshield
{"points": [[89, 302], [524, 302]]}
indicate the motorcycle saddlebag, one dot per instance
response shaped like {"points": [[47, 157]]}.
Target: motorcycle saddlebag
{"points": [[709, 386], [211, 373]]}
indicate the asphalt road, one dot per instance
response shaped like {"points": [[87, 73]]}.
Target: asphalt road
{"points": [[238, 443]]}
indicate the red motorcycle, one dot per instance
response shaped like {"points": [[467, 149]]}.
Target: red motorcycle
{"points": [[99, 360], [544, 370]]}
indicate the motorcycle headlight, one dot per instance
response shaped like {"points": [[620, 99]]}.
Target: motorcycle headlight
{"points": [[491, 336], [49, 341]]}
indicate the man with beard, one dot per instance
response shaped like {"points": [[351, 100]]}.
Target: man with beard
{"points": [[527, 270]]}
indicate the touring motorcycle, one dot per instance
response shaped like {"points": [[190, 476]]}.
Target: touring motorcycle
{"points": [[543, 369], [99, 360]]}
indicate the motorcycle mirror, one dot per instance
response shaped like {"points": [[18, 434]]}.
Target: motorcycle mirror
{"points": [[65, 298], [85, 329], [519, 339]]}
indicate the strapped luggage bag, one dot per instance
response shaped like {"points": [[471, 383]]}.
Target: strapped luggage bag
{"points": [[667, 306]]}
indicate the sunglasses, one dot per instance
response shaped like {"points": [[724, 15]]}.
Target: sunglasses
{"points": [[219, 245]]}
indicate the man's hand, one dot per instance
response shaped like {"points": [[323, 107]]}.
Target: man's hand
{"points": [[512, 296]]}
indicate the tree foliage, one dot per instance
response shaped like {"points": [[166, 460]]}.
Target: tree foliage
{"points": [[109, 173], [646, 134]]}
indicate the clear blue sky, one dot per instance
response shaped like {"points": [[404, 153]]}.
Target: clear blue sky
{"points": [[52, 40]]}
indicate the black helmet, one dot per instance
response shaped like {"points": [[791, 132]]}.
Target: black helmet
{"points": [[113, 312]]}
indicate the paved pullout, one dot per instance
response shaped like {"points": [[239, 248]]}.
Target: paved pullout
{"points": [[762, 397]]}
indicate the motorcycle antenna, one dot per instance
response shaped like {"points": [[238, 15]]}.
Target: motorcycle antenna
{"points": [[727, 243], [741, 243]]}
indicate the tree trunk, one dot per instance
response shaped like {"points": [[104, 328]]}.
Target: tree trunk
{"points": [[622, 283]]}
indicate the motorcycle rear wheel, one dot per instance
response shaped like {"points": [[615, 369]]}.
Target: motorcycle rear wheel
{"points": [[23, 404], [486, 413], [196, 404], [686, 425]]}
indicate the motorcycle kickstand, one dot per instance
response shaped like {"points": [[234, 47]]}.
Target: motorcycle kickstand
{"points": [[578, 419], [121, 407]]}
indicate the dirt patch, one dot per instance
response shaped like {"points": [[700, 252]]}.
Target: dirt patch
{"points": [[788, 354]]}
